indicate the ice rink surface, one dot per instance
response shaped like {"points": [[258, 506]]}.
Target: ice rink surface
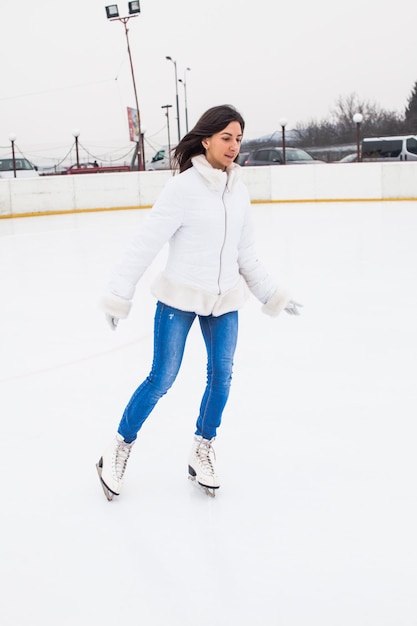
{"points": [[315, 522]]}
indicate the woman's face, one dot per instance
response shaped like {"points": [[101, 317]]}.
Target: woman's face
{"points": [[222, 148]]}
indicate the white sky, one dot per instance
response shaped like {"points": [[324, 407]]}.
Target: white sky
{"points": [[65, 66]]}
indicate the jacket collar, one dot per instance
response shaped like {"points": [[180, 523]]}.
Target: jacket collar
{"points": [[216, 179]]}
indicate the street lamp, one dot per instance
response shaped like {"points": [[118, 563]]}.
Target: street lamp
{"points": [[358, 119], [176, 96], [76, 134], [167, 107], [283, 122], [112, 13], [184, 82], [12, 138]]}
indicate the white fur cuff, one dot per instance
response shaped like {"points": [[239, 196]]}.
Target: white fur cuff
{"points": [[276, 303], [115, 306]]}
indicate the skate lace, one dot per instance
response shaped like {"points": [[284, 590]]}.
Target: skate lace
{"points": [[120, 458], [205, 454]]}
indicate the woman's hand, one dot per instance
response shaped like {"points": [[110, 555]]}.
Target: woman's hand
{"points": [[292, 307], [112, 321]]}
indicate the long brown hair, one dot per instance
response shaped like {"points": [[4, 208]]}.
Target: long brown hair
{"points": [[211, 122]]}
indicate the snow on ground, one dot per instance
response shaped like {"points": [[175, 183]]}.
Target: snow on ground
{"points": [[315, 522]]}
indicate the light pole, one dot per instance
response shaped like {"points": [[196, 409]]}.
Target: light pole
{"points": [[12, 138], [167, 107], [176, 96], [358, 119], [112, 13], [283, 122], [76, 134], [184, 82]]}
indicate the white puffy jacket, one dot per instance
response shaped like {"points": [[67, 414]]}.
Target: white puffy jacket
{"points": [[205, 215]]}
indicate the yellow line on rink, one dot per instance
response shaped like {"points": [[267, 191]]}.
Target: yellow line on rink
{"points": [[148, 206], [75, 211], [331, 200]]}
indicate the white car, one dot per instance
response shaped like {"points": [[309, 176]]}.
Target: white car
{"points": [[159, 161], [349, 158], [24, 168]]}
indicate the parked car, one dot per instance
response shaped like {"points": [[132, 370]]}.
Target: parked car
{"points": [[274, 156], [95, 168], [160, 161], [349, 158], [242, 156], [24, 168], [400, 148], [82, 166]]}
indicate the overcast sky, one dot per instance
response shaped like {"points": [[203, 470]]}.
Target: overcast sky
{"points": [[65, 66]]}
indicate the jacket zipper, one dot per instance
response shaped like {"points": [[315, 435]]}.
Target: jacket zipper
{"points": [[224, 240]]}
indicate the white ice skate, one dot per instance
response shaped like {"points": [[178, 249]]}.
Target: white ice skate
{"points": [[112, 466], [201, 465]]}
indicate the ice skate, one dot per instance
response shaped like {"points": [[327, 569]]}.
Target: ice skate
{"points": [[201, 467], [112, 466]]}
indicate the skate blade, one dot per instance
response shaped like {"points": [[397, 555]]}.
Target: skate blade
{"points": [[109, 494], [209, 491]]}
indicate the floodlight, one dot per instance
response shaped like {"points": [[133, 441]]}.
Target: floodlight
{"points": [[134, 7], [112, 11]]}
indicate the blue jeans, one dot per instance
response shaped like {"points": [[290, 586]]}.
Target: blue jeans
{"points": [[170, 333]]}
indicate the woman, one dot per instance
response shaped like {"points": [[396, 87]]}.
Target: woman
{"points": [[204, 214]]}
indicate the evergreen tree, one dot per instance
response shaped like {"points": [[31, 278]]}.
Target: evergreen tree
{"points": [[410, 116]]}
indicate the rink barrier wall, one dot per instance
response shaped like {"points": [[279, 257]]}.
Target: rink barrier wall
{"points": [[341, 182]]}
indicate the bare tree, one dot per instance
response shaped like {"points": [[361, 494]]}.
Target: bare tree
{"points": [[332, 138], [341, 128]]}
